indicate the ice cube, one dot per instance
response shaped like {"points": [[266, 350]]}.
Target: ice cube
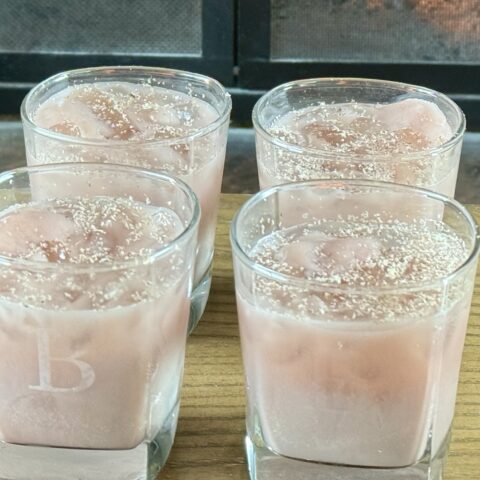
{"points": [[341, 255], [27, 227], [415, 117]]}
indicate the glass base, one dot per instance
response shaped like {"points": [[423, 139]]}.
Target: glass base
{"points": [[24, 462], [199, 299], [263, 464]]}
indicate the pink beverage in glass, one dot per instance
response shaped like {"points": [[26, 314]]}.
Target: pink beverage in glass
{"points": [[360, 129], [153, 118], [352, 326], [94, 308]]}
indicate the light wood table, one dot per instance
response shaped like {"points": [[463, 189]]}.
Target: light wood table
{"points": [[211, 429]]}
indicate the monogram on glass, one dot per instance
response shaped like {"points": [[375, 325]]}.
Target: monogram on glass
{"points": [[94, 309], [358, 129], [154, 118], [353, 300]]}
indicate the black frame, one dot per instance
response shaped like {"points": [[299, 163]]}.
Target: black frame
{"points": [[258, 72], [236, 51], [21, 71]]}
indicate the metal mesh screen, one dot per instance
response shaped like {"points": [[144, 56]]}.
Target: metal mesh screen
{"points": [[102, 26], [376, 30]]}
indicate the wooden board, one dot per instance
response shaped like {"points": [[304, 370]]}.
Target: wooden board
{"points": [[211, 429]]}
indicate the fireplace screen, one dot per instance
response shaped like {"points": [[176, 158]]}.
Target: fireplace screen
{"points": [[375, 30], [39, 38], [110, 27]]}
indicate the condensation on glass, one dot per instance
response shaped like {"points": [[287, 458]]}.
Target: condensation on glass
{"points": [[120, 26], [376, 30]]}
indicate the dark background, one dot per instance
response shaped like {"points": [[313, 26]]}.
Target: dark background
{"points": [[248, 45]]}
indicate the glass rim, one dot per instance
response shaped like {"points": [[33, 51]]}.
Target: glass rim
{"points": [[165, 249], [336, 81], [283, 278], [135, 70]]}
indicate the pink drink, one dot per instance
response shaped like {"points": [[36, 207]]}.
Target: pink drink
{"points": [[358, 129], [338, 372], [92, 355], [140, 124]]}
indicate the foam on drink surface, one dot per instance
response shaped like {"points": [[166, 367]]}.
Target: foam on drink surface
{"points": [[361, 140], [410, 125], [355, 253], [124, 111], [85, 232]]}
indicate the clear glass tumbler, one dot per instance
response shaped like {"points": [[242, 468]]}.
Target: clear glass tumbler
{"points": [[353, 312], [154, 118], [94, 306], [358, 129]]}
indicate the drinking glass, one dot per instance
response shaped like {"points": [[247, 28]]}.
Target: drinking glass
{"points": [[197, 157], [351, 345], [93, 319], [290, 148]]}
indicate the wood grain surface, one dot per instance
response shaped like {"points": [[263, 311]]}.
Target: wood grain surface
{"points": [[211, 429]]}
